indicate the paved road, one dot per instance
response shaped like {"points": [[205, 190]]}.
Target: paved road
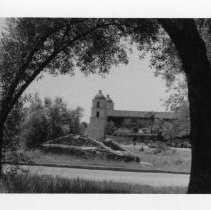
{"points": [[153, 179]]}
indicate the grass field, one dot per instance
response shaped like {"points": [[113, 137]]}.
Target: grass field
{"points": [[27, 183], [164, 159], [38, 156]]}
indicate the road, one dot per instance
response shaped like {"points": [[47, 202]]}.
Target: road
{"points": [[152, 179]]}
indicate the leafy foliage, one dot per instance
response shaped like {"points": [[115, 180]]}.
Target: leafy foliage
{"points": [[110, 128], [178, 102], [157, 126], [168, 130], [49, 120], [165, 59], [178, 96], [183, 123], [177, 128]]}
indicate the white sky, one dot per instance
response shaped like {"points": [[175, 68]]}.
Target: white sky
{"points": [[132, 87]]}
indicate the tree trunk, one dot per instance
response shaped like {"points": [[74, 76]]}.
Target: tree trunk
{"points": [[192, 51], [1, 148], [200, 114]]}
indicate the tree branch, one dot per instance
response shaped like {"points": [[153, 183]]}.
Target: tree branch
{"points": [[189, 44], [42, 66], [29, 59]]}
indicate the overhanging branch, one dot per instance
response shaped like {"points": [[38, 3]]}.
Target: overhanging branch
{"points": [[42, 66]]}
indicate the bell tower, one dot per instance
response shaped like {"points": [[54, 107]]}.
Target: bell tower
{"points": [[110, 103], [98, 117]]}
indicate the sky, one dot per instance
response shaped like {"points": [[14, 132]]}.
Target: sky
{"points": [[132, 87]]}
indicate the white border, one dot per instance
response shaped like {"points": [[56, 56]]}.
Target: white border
{"points": [[105, 8], [104, 202]]}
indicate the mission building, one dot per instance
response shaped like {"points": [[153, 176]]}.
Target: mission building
{"points": [[102, 112]]}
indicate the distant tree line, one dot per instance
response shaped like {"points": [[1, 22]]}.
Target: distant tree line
{"points": [[42, 120]]}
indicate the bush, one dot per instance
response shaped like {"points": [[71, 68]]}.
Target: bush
{"points": [[15, 158], [110, 128], [49, 120], [35, 130]]}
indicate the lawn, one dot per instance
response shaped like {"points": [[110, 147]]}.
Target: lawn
{"points": [[38, 156], [27, 183], [163, 159]]}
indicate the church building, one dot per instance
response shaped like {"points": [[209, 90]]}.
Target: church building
{"points": [[102, 111]]}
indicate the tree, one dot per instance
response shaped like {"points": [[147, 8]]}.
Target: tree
{"points": [[76, 116], [13, 127], [192, 51], [32, 46], [157, 126], [110, 128], [49, 120], [83, 128], [56, 115], [34, 128], [190, 41], [178, 96], [168, 130], [178, 102]]}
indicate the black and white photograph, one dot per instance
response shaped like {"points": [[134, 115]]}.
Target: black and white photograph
{"points": [[105, 105]]}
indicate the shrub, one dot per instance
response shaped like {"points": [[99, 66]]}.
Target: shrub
{"points": [[49, 120], [110, 128], [15, 158], [35, 129]]}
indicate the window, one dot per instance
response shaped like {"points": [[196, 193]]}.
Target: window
{"points": [[98, 114], [98, 104]]}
